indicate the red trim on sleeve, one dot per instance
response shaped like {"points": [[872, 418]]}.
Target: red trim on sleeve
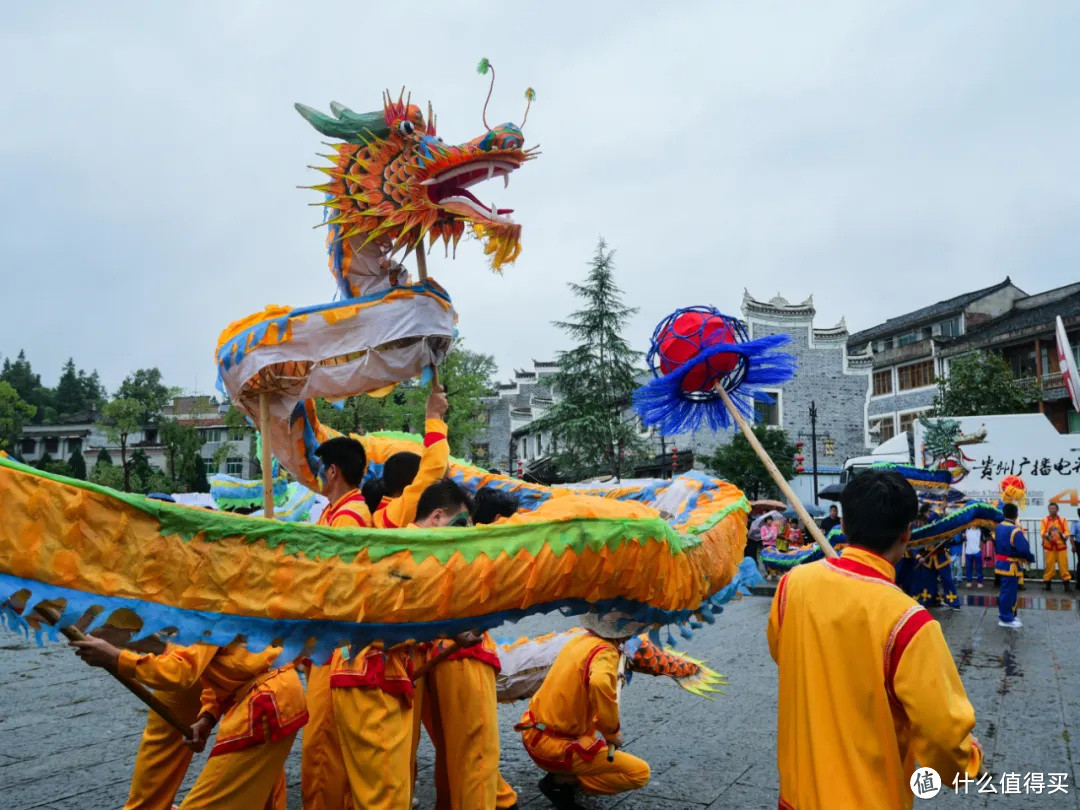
{"points": [[433, 438], [592, 654], [781, 596], [383, 522], [913, 620]]}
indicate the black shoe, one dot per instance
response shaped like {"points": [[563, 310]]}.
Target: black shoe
{"points": [[561, 796]]}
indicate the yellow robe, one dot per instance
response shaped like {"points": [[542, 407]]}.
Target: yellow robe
{"points": [[162, 760], [460, 713], [260, 709], [323, 783], [867, 687], [576, 700]]}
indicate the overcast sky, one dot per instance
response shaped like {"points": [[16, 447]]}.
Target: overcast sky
{"points": [[878, 155]]}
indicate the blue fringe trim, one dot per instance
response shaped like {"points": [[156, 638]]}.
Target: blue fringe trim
{"points": [[192, 626], [663, 404]]}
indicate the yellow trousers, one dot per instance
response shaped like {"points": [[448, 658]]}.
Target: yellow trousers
{"points": [[1058, 560], [252, 778], [375, 730], [603, 778], [163, 759], [460, 714], [323, 783]]}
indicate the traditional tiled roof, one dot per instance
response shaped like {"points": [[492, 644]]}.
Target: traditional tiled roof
{"points": [[1028, 315], [942, 308]]}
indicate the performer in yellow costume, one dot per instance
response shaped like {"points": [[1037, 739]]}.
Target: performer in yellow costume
{"points": [[323, 783], [1053, 531], [162, 760], [261, 710], [578, 699], [460, 707], [376, 705], [407, 475], [867, 684]]}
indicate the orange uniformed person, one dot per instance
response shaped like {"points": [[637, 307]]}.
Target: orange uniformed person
{"points": [[460, 707], [261, 710], [1054, 530], [406, 475], [844, 621], [577, 699], [162, 760], [377, 707], [323, 783]]}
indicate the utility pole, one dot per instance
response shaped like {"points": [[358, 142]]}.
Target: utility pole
{"points": [[813, 445]]}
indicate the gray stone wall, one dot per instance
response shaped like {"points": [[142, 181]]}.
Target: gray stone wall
{"points": [[840, 395]]}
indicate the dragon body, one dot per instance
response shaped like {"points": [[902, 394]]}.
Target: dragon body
{"points": [[668, 552]]}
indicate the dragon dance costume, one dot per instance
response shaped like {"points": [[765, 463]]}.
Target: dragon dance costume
{"points": [[667, 552]]}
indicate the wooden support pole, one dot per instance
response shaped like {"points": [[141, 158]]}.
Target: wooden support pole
{"points": [[421, 261], [620, 679], [52, 616], [785, 488], [427, 666], [267, 460]]}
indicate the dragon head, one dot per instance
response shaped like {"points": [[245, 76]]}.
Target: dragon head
{"points": [[394, 181]]}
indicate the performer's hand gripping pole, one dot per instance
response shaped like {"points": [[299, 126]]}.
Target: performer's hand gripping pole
{"points": [[785, 488], [619, 681], [52, 616]]}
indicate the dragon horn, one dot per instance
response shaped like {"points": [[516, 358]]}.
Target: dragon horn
{"points": [[349, 126], [482, 69], [530, 97]]}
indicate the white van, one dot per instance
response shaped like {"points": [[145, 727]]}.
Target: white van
{"points": [[895, 450]]}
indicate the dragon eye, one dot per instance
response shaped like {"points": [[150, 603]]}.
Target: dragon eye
{"points": [[406, 128]]}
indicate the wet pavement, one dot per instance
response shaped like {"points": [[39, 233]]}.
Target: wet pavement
{"points": [[68, 734]]}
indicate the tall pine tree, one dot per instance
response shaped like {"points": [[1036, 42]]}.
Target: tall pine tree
{"points": [[595, 380]]}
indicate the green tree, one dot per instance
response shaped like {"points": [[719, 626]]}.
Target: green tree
{"points": [[103, 458], [145, 387], [981, 384], [200, 483], [20, 375], [51, 465], [14, 414], [595, 380], [77, 392], [467, 377], [77, 464], [182, 445], [107, 475], [121, 418], [738, 463], [221, 455]]}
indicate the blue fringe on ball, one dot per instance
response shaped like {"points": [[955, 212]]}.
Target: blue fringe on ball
{"points": [[662, 403]]}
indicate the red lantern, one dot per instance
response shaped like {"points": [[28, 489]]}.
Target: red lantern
{"points": [[800, 459], [798, 445], [686, 337], [800, 469]]}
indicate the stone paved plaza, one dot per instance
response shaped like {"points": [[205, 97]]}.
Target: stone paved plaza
{"points": [[68, 734]]}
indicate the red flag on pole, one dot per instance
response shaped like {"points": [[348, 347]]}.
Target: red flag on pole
{"points": [[1067, 364]]}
